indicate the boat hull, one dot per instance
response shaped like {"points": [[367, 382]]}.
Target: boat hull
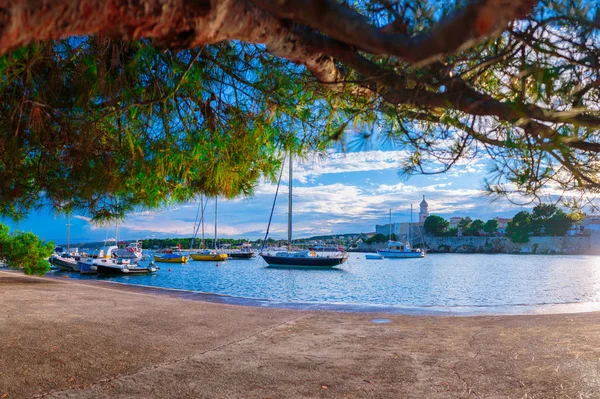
{"points": [[242, 255], [86, 268], [115, 271], [63, 265], [312, 262], [401, 255], [209, 257], [179, 259]]}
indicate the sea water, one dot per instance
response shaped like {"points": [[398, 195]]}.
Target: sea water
{"points": [[438, 280]]}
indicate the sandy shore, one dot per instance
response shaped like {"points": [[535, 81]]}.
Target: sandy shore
{"points": [[62, 338]]}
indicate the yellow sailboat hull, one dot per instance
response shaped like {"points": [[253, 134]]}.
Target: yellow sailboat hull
{"points": [[209, 257], [179, 259]]}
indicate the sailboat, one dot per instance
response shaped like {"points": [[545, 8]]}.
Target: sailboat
{"points": [[300, 258], [401, 250], [65, 260], [207, 254]]}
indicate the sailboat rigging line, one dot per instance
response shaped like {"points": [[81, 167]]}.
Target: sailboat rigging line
{"points": [[202, 219], [195, 229], [273, 207]]}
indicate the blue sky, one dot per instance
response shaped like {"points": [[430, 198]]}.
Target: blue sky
{"points": [[341, 193]]}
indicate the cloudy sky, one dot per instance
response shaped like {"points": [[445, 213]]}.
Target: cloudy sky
{"points": [[340, 193]]}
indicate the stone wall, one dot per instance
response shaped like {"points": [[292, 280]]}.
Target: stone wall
{"points": [[539, 245]]}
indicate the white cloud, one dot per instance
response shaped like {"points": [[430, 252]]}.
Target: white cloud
{"points": [[335, 163]]}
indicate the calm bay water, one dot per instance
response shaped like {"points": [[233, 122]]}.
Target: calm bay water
{"points": [[439, 280]]}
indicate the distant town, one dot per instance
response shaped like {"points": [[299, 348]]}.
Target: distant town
{"points": [[429, 230]]}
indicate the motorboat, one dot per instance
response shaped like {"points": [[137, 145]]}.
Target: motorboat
{"points": [[119, 267], [64, 263], [103, 255], [373, 256], [132, 251], [245, 252], [400, 250]]}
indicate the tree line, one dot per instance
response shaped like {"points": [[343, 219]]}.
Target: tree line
{"points": [[543, 220]]}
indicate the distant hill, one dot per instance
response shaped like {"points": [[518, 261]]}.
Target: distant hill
{"points": [[330, 237]]}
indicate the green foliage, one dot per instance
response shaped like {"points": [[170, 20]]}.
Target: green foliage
{"points": [[451, 232], [474, 228], [519, 227], [477, 224], [558, 224], [25, 251], [435, 225], [545, 219], [107, 127], [465, 222], [540, 216], [491, 226]]}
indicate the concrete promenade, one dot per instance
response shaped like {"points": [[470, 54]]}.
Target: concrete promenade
{"points": [[62, 338]]}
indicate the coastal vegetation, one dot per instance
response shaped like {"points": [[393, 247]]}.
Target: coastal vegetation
{"points": [[111, 108], [24, 250], [544, 220]]}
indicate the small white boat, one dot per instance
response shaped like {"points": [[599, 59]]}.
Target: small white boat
{"points": [[400, 250], [373, 256], [133, 251], [103, 255]]}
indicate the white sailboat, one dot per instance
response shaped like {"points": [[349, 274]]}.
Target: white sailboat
{"points": [[400, 250], [300, 258]]}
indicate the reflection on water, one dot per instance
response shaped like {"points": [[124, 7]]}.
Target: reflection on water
{"points": [[438, 280]]}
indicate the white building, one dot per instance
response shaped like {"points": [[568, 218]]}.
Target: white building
{"points": [[454, 221], [502, 224], [591, 223]]}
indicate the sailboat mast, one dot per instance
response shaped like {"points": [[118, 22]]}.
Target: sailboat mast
{"points": [[290, 207], [202, 218], [390, 224], [68, 232], [216, 199], [410, 226]]}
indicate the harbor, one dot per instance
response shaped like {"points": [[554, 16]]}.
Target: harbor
{"points": [[446, 281]]}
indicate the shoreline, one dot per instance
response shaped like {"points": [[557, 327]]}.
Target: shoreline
{"points": [[467, 311], [257, 302], [64, 338]]}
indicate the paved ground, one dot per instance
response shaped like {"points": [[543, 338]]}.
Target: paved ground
{"points": [[68, 339]]}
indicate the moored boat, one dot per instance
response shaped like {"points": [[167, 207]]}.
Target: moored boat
{"points": [[124, 268], [103, 255], [63, 263], [207, 255], [299, 258], [171, 258], [133, 251], [303, 258], [400, 250], [373, 256], [245, 252]]}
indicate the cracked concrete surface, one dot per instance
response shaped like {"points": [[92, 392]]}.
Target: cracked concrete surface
{"points": [[64, 339]]}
